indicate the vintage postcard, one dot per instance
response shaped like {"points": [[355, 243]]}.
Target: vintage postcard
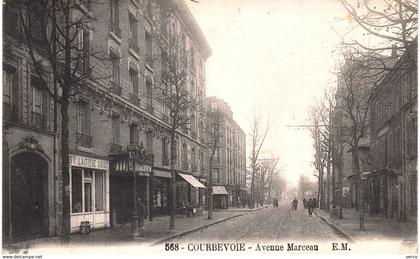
{"points": [[209, 127]]}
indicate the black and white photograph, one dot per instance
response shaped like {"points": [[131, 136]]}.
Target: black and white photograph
{"points": [[209, 127]]}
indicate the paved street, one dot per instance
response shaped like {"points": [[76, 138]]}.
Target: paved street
{"points": [[270, 224]]}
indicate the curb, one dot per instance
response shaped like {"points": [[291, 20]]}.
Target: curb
{"points": [[180, 234], [336, 228]]}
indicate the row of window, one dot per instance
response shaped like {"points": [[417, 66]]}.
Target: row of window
{"points": [[389, 150], [38, 103], [397, 93]]}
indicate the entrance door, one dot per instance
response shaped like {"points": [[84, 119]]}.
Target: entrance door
{"points": [[29, 199]]}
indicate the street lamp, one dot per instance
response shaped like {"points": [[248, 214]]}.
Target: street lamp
{"points": [[133, 154]]}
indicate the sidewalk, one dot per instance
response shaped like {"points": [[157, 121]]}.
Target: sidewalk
{"points": [[246, 209], [156, 231], [378, 229]]}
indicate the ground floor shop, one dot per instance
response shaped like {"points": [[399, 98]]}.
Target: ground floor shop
{"points": [[220, 197], [190, 192], [89, 199]]}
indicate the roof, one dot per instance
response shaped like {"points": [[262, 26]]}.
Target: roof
{"points": [[193, 27]]}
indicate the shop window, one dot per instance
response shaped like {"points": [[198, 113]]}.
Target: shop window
{"points": [[99, 191], [76, 190]]}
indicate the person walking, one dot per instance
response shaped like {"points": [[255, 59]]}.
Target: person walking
{"points": [[304, 203], [314, 204], [141, 212], [309, 205], [294, 204]]}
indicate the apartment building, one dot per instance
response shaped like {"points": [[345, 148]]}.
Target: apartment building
{"points": [[118, 107]]}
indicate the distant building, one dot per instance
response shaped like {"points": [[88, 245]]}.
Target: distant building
{"points": [[229, 166]]}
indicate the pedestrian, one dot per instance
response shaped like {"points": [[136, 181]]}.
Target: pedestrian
{"points": [[309, 204], [314, 204], [294, 204], [304, 203], [141, 212]]}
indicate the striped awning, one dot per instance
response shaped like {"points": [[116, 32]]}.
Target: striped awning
{"points": [[219, 190]]}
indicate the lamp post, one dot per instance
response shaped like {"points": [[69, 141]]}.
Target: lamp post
{"points": [[133, 153]]}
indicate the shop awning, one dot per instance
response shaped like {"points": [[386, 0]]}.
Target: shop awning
{"points": [[219, 190], [191, 180]]}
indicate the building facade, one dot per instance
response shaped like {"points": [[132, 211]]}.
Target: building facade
{"points": [[394, 141], [118, 107], [229, 165]]}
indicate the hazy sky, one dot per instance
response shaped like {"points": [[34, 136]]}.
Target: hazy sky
{"points": [[274, 56]]}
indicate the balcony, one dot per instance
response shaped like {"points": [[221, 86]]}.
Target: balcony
{"points": [[10, 112], [84, 140], [115, 88], [114, 28], [149, 108], [135, 100], [115, 149], [39, 120]]}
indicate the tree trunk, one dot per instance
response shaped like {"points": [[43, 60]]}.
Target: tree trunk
{"points": [[172, 181], [65, 169], [210, 191], [356, 166], [321, 198], [328, 202]]}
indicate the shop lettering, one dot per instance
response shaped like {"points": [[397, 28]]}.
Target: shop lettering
{"points": [[88, 162]]}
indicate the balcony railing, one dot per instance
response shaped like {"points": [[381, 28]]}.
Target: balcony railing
{"points": [[115, 88], [135, 100], [84, 140], [115, 148], [39, 120], [149, 108], [114, 28]]}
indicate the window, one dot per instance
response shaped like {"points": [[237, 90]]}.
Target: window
{"points": [[184, 157], [149, 92], [84, 120], [115, 78], [84, 47], [165, 158], [87, 190], [193, 160], [114, 8], [149, 141], [116, 130], [134, 134], [132, 36], [76, 190], [134, 82], [10, 92], [149, 49], [216, 176], [412, 137], [149, 10], [99, 191]]}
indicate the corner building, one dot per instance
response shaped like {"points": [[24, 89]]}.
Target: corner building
{"points": [[118, 106]]}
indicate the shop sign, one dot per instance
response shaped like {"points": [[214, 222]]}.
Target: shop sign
{"points": [[162, 174], [88, 162]]}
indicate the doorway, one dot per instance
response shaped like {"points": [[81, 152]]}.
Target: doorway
{"points": [[29, 196]]}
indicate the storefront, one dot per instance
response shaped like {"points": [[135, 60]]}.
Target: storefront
{"points": [[187, 190], [220, 197], [160, 192], [124, 174], [89, 199]]}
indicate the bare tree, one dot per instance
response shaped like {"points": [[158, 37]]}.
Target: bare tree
{"points": [[174, 94], [56, 34], [356, 83], [390, 26], [214, 135], [258, 135]]}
